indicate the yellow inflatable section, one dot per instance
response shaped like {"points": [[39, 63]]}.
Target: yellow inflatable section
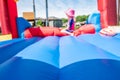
{"points": [[5, 37]]}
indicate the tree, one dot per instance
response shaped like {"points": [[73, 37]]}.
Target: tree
{"points": [[39, 23], [64, 20], [81, 18]]}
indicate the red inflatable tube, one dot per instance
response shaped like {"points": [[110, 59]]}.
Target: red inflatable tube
{"points": [[85, 29], [108, 13], [104, 19], [102, 5], [43, 32]]}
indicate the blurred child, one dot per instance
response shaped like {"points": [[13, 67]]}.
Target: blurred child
{"points": [[71, 23]]}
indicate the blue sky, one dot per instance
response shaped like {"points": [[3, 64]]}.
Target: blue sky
{"points": [[57, 8]]}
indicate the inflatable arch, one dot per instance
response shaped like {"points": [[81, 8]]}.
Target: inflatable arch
{"points": [[8, 10]]}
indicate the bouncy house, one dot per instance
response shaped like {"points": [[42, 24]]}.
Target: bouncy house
{"points": [[57, 56]]}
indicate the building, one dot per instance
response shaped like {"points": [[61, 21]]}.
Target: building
{"points": [[28, 15], [52, 22], [55, 22]]}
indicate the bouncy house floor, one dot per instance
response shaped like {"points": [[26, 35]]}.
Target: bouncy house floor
{"points": [[86, 57]]}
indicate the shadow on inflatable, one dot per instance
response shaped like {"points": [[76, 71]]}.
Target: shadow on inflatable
{"points": [[96, 69], [23, 69]]}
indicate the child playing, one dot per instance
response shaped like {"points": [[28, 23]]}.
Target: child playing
{"points": [[70, 27]]}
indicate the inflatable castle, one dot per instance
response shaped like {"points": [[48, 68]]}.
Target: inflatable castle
{"points": [[34, 55]]}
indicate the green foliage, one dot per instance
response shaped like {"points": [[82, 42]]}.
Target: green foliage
{"points": [[64, 20], [81, 18], [39, 23]]}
